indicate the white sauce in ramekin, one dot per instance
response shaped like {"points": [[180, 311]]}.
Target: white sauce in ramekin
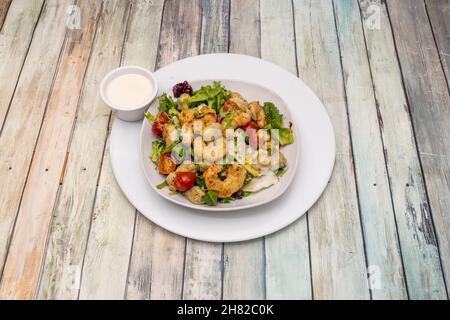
{"points": [[129, 91]]}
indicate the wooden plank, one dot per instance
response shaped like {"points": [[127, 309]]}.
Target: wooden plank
{"points": [[418, 243], [15, 37], [438, 13], [73, 209], [203, 266], [108, 252], [336, 245], [21, 129], [4, 6], [377, 214], [158, 256], [292, 278], [429, 103], [244, 261], [26, 253]]}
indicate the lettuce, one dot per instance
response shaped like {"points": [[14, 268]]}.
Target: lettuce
{"points": [[274, 118], [210, 198], [151, 118], [158, 148], [166, 103], [283, 135], [212, 95]]}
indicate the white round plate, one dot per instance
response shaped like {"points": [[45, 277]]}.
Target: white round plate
{"points": [[252, 92], [314, 137]]}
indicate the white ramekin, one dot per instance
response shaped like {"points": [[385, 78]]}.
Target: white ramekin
{"points": [[122, 113]]}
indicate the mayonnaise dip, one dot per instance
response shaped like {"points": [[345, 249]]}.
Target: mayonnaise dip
{"points": [[129, 91]]}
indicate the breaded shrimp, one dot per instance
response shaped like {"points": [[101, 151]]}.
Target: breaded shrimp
{"points": [[202, 113], [237, 99], [170, 134], [235, 120], [257, 113], [233, 182]]}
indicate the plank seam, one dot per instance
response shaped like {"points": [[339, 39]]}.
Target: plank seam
{"points": [[101, 162], [307, 213], [437, 47], [351, 141], [183, 275], [417, 146], [67, 150], [384, 155], [21, 68], [6, 16], [11, 236]]}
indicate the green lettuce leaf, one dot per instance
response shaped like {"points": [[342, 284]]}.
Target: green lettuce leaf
{"points": [[274, 118], [210, 198], [166, 103]]}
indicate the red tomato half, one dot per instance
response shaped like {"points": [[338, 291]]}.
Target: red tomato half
{"points": [[251, 129], [184, 180]]}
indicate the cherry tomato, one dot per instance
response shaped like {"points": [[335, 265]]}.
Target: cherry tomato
{"points": [[157, 129], [184, 180], [162, 117], [165, 164], [251, 129]]}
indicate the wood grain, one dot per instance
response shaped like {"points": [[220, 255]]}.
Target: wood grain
{"points": [[244, 262], [72, 214], [111, 234], [48, 161], [429, 103], [203, 262], [438, 14], [377, 214], [291, 279], [17, 141], [162, 252], [15, 38], [418, 243], [4, 6], [336, 245]]}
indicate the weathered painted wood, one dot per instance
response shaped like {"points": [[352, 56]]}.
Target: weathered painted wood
{"points": [[15, 39], [28, 247], [336, 245], [417, 241], [244, 276], [21, 130], [215, 26], [377, 213], [292, 278], [162, 252], [72, 214], [203, 262], [4, 6], [105, 268], [438, 13], [429, 103]]}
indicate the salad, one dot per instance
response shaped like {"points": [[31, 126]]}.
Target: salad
{"points": [[213, 146]]}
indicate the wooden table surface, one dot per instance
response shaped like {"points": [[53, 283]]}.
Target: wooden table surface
{"points": [[380, 230]]}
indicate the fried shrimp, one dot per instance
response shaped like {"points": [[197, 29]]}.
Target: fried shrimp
{"points": [[237, 99], [225, 187], [211, 151], [257, 113], [170, 134], [202, 113], [235, 120]]}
